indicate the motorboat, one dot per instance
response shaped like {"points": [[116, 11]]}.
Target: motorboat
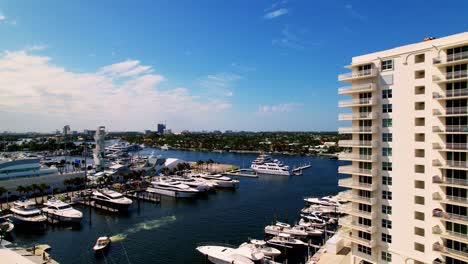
{"points": [[273, 230], [227, 255], [172, 188], [261, 246], [199, 184], [264, 164], [286, 229], [310, 231], [334, 201], [111, 199], [26, 213], [281, 224], [222, 181], [314, 218], [102, 243], [311, 224], [285, 240], [319, 215], [62, 211], [321, 209], [6, 225]]}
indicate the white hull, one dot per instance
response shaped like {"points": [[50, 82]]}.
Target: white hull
{"points": [[271, 172], [63, 218], [172, 193], [227, 184]]}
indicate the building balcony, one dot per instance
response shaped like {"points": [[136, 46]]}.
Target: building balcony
{"points": [[449, 216], [357, 75], [450, 76], [357, 102], [355, 239], [451, 59], [449, 181], [348, 221], [358, 143], [350, 169], [450, 111], [357, 116], [357, 157], [355, 184], [449, 129], [450, 252], [349, 209], [450, 146], [361, 199], [449, 94], [450, 164], [361, 88], [358, 130]]}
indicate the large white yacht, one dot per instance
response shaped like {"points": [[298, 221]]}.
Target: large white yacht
{"points": [[285, 240], [199, 184], [26, 213], [326, 201], [18, 167], [172, 188], [63, 211], [228, 255], [260, 245], [123, 147], [264, 164], [220, 180], [111, 199]]}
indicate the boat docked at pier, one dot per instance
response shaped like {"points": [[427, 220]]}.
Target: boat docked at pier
{"points": [[221, 181], [199, 184], [334, 201], [172, 188], [279, 228], [27, 214], [111, 199], [285, 240], [242, 255], [261, 246], [61, 211], [264, 164], [6, 225]]}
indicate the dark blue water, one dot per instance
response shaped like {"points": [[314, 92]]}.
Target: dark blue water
{"points": [[170, 232]]}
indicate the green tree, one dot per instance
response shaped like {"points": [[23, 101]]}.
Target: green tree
{"points": [[2, 192]]}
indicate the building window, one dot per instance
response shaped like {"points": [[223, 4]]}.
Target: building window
{"points": [[386, 238], [387, 122], [386, 256], [364, 249], [387, 152], [387, 195], [386, 166], [387, 137], [387, 65], [387, 223], [386, 94], [387, 108], [386, 209], [386, 180]]}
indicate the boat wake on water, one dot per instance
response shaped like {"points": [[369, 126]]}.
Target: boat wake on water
{"points": [[144, 226]]}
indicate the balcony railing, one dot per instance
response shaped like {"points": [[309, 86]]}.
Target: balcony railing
{"points": [[438, 247], [451, 58], [463, 146], [456, 234], [456, 199], [356, 74], [448, 76], [356, 102], [350, 169], [357, 143], [354, 238], [451, 129], [352, 183], [361, 129], [355, 156], [457, 164], [449, 216], [451, 111], [348, 209], [348, 221], [357, 88], [355, 116]]}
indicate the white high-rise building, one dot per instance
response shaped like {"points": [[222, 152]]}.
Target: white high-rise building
{"points": [[407, 143]]}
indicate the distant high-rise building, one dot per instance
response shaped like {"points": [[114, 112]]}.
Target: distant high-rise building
{"points": [[147, 132], [407, 153], [161, 128], [66, 130], [167, 131], [100, 148]]}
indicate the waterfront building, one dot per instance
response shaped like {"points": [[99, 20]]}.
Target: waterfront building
{"points": [[408, 145]]}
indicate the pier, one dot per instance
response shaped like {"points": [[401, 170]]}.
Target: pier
{"points": [[93, 204], [144, 196], [301, 167]]}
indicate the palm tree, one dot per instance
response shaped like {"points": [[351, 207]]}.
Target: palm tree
{"points": [[21, 189], [2, 192], [27, 190], [34, 187], [42, 188]]}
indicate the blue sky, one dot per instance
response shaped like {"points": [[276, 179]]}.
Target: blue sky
{"points": [[240, 65]]}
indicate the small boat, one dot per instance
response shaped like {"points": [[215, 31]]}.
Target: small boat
{"points": [[26, 213], [62, 211], [311, 224], [285, 240], [111, 199], [326, 201], [222, 181], [102, 243], [283, 225], [6, 224], [286, 229], [260, 245]]}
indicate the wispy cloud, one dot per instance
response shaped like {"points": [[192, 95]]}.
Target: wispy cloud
{"points": [[293, 39], [32, 85], [279, 108], [276, 13], [2, 17], [36, 48], [242, 67], [220, 83], [353, 13]]}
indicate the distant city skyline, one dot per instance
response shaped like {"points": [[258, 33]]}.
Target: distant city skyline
{"points": [[204, 65]]}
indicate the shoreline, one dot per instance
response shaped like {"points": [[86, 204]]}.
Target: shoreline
{"points": [[254, 152]]}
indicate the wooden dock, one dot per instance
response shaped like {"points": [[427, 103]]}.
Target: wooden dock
{"points": [[301, 167], [144, 196], [242, 173], [92, 204]]}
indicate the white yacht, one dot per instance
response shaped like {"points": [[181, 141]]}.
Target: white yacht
{"points": [[111, 199], [326, 201], [199, 184], [227, 255], [5, 223], [18, 167], [264, 164], [122, 147], [172, 188], [260, 245], [221, 181], [285, 240], [312, 224], [62, 211], [294, 231], [26, 213]]}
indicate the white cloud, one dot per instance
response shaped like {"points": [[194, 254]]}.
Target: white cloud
{"points": [[220, 84], [31, 85], [36, 48], [293, 39], [279, 108], [2, 17], [276, 13]]}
